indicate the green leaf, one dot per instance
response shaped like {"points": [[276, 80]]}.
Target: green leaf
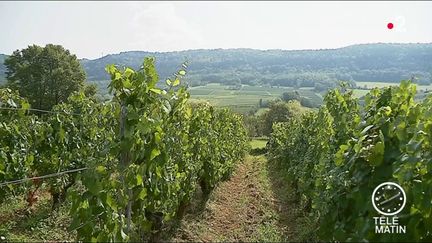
{"points": [[61, 134], [111, 203], [155, 90], [128, 72], [377, 154], [142, 194], [127, 84], [139, 179], [100, 168], [93, 185], [159, 171], [25, 105], [340, 155], [176, 82], [117, 76], [111, 69], [155, 152], [146, 225], [29, 160], [158, 137], [363, 132]]}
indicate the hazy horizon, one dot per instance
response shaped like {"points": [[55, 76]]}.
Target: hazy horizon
{"points": [[239, 48], [256, 49], [92, 30]]}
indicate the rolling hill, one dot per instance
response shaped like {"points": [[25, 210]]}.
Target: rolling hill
{"points": [[297, 68]]}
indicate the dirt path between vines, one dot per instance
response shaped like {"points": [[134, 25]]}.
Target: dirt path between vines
{"points": [[253, 205]]}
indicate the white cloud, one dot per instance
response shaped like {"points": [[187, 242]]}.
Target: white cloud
{"points": [[157, 27]]}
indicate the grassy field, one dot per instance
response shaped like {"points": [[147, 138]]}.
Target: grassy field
{"points": [[243, 100], [21, 223], [360, 92], [258, 143], [371, 85], [247, 97]]}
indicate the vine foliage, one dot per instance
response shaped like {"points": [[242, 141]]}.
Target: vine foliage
{"points": [[339, 154]]}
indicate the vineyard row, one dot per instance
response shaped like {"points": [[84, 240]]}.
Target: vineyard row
{"points": [[147, 151]]}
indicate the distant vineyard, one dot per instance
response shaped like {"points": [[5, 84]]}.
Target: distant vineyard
{"points": [[141, 156], [338, 155]]}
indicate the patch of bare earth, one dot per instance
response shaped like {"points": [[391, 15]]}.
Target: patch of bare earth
{"points": [[244, 208]]}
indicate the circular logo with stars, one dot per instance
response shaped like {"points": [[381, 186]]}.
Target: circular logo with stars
{"points": [[388, 198]]}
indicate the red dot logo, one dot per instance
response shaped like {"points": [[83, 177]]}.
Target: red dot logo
{"points": [[390, 26]]}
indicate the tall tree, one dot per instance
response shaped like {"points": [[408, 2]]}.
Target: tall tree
{"points": [[280, 112], [45, 75], [291, 95]]}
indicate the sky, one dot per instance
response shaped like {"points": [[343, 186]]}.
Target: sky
{"points": [[93, 29]]}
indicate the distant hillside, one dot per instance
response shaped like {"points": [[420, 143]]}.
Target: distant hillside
{"points": [[368, 62], [307, 68]]}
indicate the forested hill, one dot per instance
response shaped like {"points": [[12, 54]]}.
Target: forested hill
{"points": [[365, 62]]}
